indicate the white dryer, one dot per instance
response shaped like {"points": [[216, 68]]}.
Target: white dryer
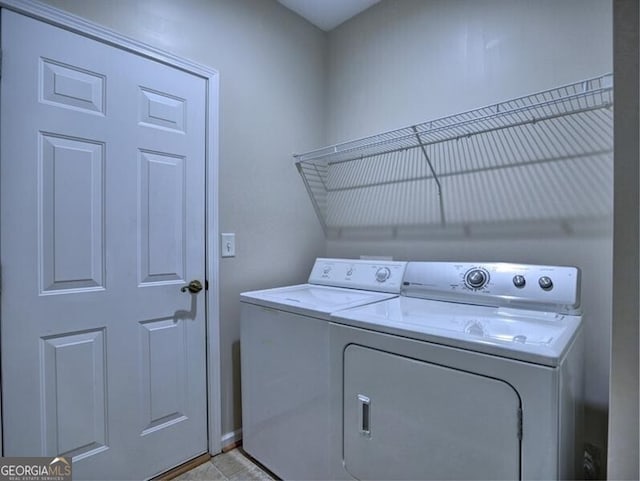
{"points": [[474, 372], [284, 346]]}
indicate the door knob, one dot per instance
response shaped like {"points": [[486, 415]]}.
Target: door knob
{"points": [[193, 287]]}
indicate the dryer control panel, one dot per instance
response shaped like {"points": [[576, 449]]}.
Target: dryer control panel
{"points": [[540, 287], [370, 275]]}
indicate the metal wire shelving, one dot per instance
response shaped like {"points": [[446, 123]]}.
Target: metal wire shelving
{"points": [[547, 155]]}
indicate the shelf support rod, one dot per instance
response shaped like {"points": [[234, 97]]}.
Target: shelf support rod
{"points": [[433, 172], [314, 201]]}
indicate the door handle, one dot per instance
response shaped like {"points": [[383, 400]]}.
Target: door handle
{"points": [[193, 287], [364, 415]]}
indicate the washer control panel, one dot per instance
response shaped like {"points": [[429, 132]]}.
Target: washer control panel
{"points": [[372, 275], [496, 284]]}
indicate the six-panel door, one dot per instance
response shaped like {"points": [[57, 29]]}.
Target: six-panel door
{"points": [[102, 211]]}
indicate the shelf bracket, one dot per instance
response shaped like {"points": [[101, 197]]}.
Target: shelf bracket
{"points": [[314, 201], [433, 172]]}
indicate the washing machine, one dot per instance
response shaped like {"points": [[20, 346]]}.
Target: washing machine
{"points": [[474, 372], [284, 346]]}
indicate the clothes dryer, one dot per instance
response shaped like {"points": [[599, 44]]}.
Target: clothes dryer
{"points": [[284, 346], [474, 372]]}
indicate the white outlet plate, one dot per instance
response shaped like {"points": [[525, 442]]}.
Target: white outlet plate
{"points": [[228, 245]]}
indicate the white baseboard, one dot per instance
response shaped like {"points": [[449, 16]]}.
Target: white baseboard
{"points": [[231, 437]]}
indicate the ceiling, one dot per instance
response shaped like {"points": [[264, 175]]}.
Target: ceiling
{"points": [[327, 14]]}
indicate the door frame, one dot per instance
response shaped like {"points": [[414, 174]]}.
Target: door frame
{"points": [[79, 25]]}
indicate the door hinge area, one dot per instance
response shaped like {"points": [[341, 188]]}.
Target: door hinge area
{"points": [[520, 424], [206, 285]]}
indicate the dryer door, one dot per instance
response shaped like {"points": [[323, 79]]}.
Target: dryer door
{"points": [[409, 419]]}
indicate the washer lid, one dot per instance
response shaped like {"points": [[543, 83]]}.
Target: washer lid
{"points": [[313, 300], [531, 336]]}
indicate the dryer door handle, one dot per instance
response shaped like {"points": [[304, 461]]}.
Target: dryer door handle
{"points": [[364, 410]]}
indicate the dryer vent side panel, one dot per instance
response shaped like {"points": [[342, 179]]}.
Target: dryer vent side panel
{"points": [[409, 419]]}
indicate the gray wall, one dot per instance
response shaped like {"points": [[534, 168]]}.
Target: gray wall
{"points": [[408, 61], [272, 67], [623, 413]]}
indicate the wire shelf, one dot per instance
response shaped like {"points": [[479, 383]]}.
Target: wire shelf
{"points": [[542, 156]]}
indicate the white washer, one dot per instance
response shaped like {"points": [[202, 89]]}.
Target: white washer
{"points": [[284, 346], [474, 372]]}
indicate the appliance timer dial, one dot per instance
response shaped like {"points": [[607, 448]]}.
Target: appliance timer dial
{"points": [[382, 274], [476, 278]]}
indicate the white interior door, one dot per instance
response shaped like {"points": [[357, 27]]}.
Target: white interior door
{"points": [[102, 222]]}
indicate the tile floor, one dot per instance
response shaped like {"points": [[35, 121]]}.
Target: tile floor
{"points": [[231, 466]]}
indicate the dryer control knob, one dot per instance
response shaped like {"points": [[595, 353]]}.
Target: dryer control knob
{"points": [[476, 278], [382, 274], [545, 283], [519, 281]]}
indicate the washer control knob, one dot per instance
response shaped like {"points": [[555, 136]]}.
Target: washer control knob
{"points": [[382, 274], [519, 281], [545, 283], [476, 278]]}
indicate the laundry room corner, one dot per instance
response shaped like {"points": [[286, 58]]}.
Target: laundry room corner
{"points": [[355, 180], [402, 63]]}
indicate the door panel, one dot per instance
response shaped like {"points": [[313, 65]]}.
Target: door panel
{"points": [[409, 419], [164, 373], [162, 218], [161, 110], [72, 205], [71, 87], [74, 395], [102, 222]]}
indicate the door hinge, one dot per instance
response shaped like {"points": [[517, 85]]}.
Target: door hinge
{"points": [[206, 285], [520, 424]]}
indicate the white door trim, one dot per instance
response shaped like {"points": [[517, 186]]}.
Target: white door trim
{"points": [[81, 26]]}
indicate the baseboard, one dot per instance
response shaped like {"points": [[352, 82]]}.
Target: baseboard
{"points": [[231, 439]]}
